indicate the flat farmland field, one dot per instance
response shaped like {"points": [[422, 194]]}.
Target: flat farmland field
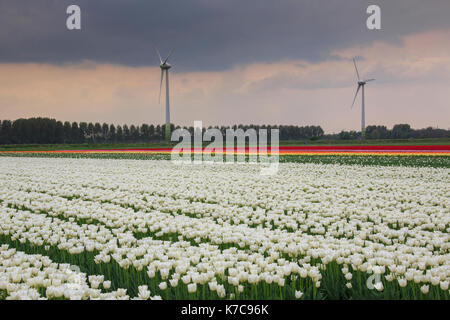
{"points": [[140, 229]]}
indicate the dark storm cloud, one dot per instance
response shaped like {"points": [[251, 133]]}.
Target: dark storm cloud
{"points": [[206, 34]]}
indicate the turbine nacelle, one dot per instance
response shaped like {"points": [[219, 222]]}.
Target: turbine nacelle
{"points": [[363, 82], [165, 66]]}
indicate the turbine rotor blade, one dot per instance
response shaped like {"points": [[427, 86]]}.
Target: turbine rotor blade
{"points": [[168, 55], [160, 85], [356, 94], [356, 68], [160, 59], [368, 80]]}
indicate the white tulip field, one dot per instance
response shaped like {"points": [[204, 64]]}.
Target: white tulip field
{"points": [[149, 229]]}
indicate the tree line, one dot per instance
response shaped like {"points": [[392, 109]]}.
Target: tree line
{"points": [[50, 131], [398, 131]]}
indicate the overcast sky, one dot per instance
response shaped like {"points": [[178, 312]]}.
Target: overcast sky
{"points": [[259, 61]]}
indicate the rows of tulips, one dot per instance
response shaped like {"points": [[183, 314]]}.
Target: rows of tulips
{"points": [[37, 277], [407, 160], [154, 229]]}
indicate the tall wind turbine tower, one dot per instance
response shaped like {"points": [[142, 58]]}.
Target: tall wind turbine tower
{"points": [[361, 84], [165, 69]]}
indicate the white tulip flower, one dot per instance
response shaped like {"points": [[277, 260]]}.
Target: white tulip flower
{"points": [[425, 289], [106, 284], [379, 286], [163, 285], [402, 282], [173, 283], [192, 288]]}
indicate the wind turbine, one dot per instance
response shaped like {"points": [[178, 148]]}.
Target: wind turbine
{"points": [[165, 68], [361, 84]]}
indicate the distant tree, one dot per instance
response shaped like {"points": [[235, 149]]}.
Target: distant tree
{"points": [[371, 132], [47, 128], [97, 131], [134, 133], [377, 132], [75, 133], [158, 133], [105, 131], [145, 133], [112, 133], [126, 133], [430, 132], [67, 132], [349, 135], [382, 132], [83, 131], [151, 132], [401, 131], [59, 132], [344, 135], [90, 130], [5, 133], [119, 134], [16, 136], [318, 132]]}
